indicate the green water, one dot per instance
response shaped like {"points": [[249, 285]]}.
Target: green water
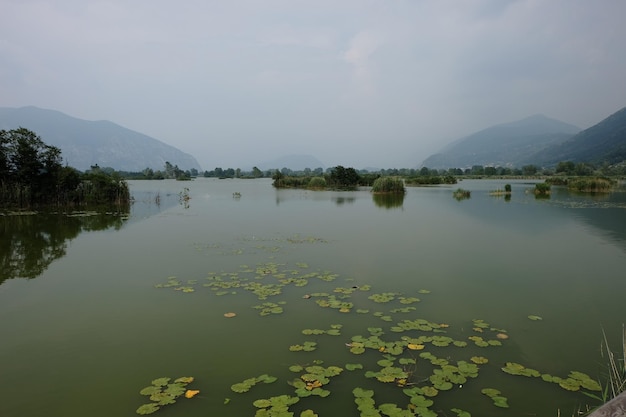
{"points": [[83, 328]]}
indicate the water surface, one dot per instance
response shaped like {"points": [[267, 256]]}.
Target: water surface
{"points": [[83, 327]]}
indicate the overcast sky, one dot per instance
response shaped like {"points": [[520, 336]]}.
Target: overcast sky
{"points": [[358, 83]]}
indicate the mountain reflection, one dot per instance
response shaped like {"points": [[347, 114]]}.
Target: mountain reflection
{"points": [[30, 243]]}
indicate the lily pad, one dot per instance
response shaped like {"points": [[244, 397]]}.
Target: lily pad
{"points": [[152, 389], [160, 382], [148, 408], [353, 366]]}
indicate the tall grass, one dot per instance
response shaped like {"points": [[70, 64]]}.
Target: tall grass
{"points": [[616, 383], [388, 185]]}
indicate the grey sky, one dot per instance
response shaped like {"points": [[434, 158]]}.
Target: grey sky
{"points": [[358, 83]]}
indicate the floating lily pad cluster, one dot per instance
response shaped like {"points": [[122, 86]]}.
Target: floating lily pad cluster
{"points": [[163, 393], [419, 356], [313, 379], [335, 330], [573, 382], [247, 384], [496, 397]]}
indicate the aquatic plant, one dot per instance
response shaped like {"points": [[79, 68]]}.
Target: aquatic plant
{"points": [[542, 189], [162, 393], [461, 194], [591, 185], [388, 185]]}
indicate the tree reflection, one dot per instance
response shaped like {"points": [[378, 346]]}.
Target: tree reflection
{"points": [[30, 243], [388, 200]]}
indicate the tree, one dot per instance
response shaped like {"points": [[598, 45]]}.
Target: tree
{"points": [[529, 170], [490, 171], [31, 174], [341, 177], [256, 172]]}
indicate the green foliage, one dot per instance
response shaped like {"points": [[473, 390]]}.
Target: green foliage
{"points": [[591, 185], [343, 178], [317, 183], [542, 188], [461, 194], [31, 175], [389, 185], [431, 180]]}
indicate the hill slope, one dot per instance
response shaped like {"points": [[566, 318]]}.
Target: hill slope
{"points": [[603, 142], [508, 144], [85, 143]]}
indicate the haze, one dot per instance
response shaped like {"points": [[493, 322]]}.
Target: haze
{"points": [[357, 83]]}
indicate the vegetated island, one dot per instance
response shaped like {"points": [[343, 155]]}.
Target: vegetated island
{"points": [[33, 177]]}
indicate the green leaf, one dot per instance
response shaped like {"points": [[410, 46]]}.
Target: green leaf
{"points": [[148, 408], [159, 382], [150, 390]]}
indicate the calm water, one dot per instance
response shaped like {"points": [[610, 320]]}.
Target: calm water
{"points": [[83, 327]]}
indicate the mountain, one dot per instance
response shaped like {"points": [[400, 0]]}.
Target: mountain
{"points": [[293, 162], [85, 143], [603, 142], [508, 144]]}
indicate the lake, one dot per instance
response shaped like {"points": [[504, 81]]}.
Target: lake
{"points": [[390, 296]]}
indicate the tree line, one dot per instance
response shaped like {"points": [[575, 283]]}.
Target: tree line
{"points": [[32, 175]]}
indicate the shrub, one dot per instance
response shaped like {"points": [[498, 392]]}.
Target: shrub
{"points": [[389, 185], [317, 183], [591, 185], [542, 188], [461, 194]]}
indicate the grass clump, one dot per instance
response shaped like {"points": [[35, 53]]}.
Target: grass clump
{"points": [[461, 194], [388, 185], [542, 189], [591, 185], [317, 183]]}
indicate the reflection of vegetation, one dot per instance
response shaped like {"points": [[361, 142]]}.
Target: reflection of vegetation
{"points": [[30, 243], [184, 197], [461, 194], [388, 185], [388, 200]]}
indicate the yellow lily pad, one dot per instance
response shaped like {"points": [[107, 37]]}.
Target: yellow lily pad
{"points": [[191, 393]]}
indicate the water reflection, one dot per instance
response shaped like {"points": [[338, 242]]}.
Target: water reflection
{"points": [[388, 201], [30, 243]]}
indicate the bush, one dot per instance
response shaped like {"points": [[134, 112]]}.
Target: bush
{"points": [[591, 185], [542, 188], [317, 183], [388, 185]]}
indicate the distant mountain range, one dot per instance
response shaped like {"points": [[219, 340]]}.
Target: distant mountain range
{"points": [[604, 142], [537, 140], [85, 143], [508, 144]]}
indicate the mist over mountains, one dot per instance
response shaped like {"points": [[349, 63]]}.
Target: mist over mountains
{"points": [[537, 140], [85, 143], [507, 144]]}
